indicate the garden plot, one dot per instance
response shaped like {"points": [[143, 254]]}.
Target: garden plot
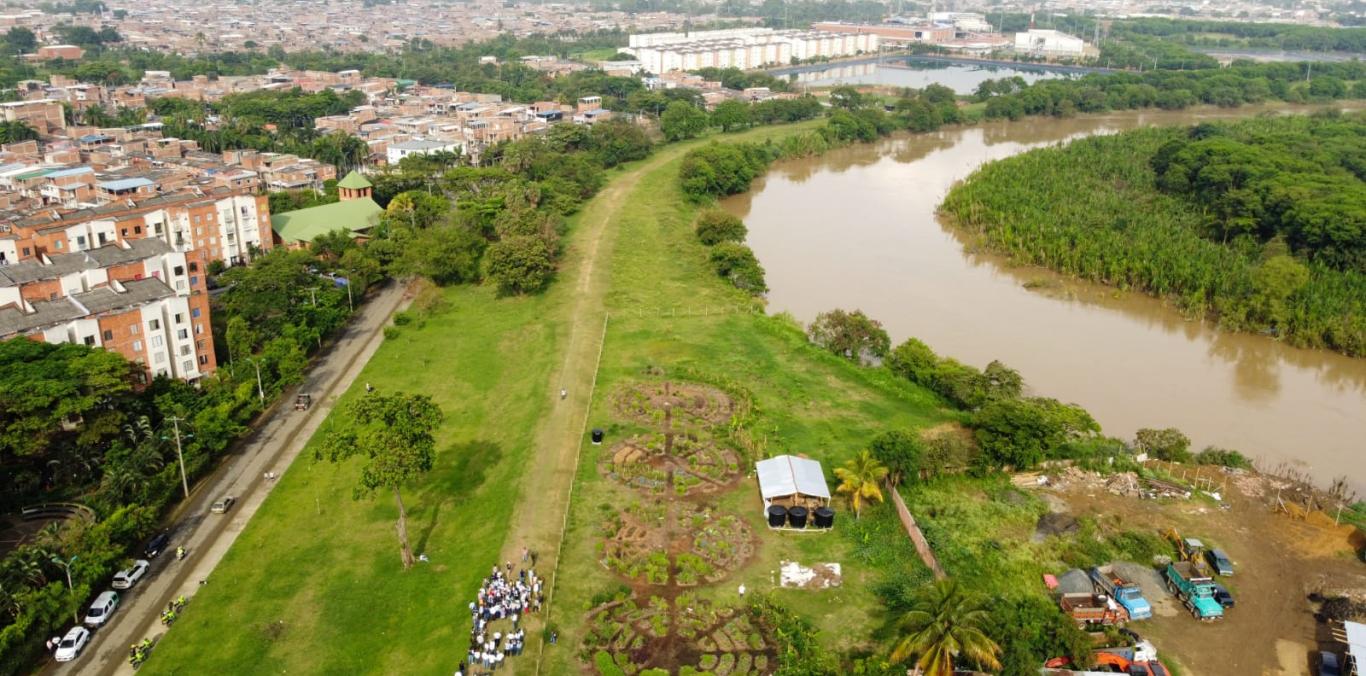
{"points": [[658, 403], [675, 543], [688, 632], [681, 453]]}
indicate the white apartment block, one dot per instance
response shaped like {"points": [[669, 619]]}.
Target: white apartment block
{"points": [[743, 48]]}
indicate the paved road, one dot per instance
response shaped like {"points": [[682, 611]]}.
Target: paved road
{"points": [[207, 537]]}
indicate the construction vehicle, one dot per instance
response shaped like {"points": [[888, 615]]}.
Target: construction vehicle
{"points": [[1195, 589], [1088, 609], [1189, 549], [1127, 593], [1138, 660]]}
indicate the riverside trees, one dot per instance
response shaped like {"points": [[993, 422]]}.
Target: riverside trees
{"points": [[1260, 224]]}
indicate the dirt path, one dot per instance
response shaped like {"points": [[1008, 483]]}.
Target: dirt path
{"points": [[539, 520], [271, 447]]}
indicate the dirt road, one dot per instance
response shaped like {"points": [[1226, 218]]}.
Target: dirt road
{"points": [[207, 537]]}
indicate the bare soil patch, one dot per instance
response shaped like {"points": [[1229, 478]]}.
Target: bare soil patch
{"points": [[1280, 562]]}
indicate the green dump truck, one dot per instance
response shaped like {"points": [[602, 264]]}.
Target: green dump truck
{"points": [[1194, 589]]}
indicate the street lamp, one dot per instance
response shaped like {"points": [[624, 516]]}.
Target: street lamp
{"points": [[70, 588], [184, 482]]}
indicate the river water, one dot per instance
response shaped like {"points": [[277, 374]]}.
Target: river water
{"points": [[963, 78], [856, 228]]}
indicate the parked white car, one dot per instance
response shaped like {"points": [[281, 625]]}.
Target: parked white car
{"points": [[105, 604], [72, 644], [130, 576]]}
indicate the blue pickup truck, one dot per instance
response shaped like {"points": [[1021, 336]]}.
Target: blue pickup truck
{"points": [[1124, 592]]}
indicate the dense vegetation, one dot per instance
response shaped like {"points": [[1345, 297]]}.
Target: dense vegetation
{"points": [[269, 121], [1260, 224], [1176, 90], [1202, 32]]}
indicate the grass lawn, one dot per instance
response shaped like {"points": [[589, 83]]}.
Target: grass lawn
{"points": [[313, 584], [666, 313]]}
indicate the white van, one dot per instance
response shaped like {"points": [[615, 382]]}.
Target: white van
{"points": [[105, 604]]}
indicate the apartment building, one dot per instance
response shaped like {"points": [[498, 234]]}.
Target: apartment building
{"points": [[218, 224], [140, 298], [743, 48], [44, 115]]}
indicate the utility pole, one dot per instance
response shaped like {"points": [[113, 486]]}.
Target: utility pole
{"points": [[180, 455]]}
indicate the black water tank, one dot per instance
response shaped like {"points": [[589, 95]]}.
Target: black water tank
{"points": [[797, 517], [824, 517], [597, 435], [777, 515]]}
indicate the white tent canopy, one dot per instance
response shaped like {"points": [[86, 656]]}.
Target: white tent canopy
{"points": [[786, 475], [1356, 641]]}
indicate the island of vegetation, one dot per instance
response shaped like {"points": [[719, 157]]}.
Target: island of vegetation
{"points": [[1259, 225]]}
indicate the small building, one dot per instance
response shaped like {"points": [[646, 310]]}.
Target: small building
{"points": [[356, 213], [1041, 42], [790, 481], [397, 151]]}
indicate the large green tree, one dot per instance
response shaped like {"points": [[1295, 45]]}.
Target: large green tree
{"points": [[682, 121], [395, 435]]}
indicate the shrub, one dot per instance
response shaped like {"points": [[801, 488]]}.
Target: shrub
{"points": [[1164, 444], [520, 264], [852, 335], [716, 226], [1223, 457], [718, 169], [737, 263]]}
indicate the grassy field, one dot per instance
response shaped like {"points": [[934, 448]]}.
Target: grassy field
{"points": [[669, 312], [313, 586]]}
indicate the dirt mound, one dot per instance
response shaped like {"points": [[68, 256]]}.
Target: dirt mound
{"points": [[1056, 523]]}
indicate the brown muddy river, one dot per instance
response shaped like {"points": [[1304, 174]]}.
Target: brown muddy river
{"points": [[856, 228]]}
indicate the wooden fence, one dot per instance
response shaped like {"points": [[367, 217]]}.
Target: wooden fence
{"points": [[922, 546]]}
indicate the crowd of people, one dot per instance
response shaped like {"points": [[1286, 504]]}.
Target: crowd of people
{"points": [[496, 614]]}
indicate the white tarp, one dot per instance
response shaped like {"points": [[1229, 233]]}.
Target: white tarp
{"points": [[1356, 640], [788, 474]]}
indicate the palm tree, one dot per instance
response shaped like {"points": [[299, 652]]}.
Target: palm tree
{"points": [[944, 625], [17, 130], [859, 480]]}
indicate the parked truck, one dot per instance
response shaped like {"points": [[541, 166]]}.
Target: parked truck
{"points": [[1195, 590], [1093, 609], [1127, 593]]}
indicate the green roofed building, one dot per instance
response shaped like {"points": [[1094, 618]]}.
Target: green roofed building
{"points": [[356, 212]]}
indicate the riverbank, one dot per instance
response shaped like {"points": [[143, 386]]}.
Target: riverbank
{"points": [[1130, 360]]}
